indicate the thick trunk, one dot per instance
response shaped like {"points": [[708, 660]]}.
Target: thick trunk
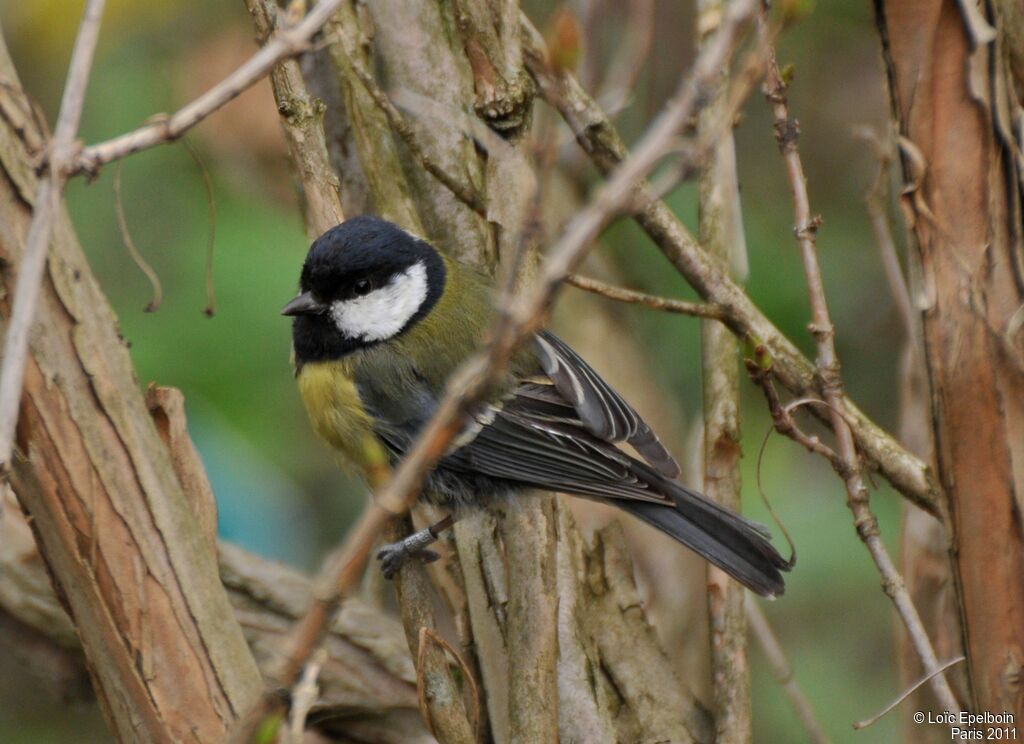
{"points": [[130, 561], [368, 681], [951, 98]]}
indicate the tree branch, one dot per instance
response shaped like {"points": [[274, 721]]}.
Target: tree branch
{"points": [[621, 294], [367, 680], [783, 673], [47, 203], [721, 232], [125, 550], [596, 134], [284, 43], [787, 134]]}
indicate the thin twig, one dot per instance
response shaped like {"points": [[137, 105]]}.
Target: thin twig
{"points": [[432, 636], [621, 294], [284, 43], [787, 133], [515, 324], [782, 418], [211, 237], [51, 185], [599, 138], [907, 693], [133, 251], [876, 199], [304, 696], [783, 673]]}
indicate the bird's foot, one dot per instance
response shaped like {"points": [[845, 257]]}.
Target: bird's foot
{"points": [[394, 555]]}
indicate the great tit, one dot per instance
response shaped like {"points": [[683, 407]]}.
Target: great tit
{"points": [[383, 319]]}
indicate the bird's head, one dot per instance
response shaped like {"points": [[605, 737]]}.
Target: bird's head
{"points": [[364, 282]]}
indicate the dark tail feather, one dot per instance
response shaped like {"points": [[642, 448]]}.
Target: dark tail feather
{"points": [[738, 546]]}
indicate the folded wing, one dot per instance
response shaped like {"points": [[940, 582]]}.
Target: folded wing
{"points": [[599, 407]]}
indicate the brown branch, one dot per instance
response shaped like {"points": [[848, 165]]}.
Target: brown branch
{"points": [[787, 134], [284, 43], [783, 673], [124, 548], [137, 258], [782, 415], [47, 203], [721, 232], [621, 294], [599, 138], [302, 119], [367, 678], [340, 574]]}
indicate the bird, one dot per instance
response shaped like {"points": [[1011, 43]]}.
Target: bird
{"points": [[382, 319]]}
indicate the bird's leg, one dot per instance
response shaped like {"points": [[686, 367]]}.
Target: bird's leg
{"points": [[394, 555]]}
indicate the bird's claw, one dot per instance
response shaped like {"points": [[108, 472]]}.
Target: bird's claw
{"points": [[393, 556]]}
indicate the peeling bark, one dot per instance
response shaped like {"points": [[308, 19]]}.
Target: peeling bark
{"points": [[129, 559], [951, 100], [368, 683]]}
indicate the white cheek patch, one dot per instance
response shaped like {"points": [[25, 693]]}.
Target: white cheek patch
{"points": [[384, 312]]}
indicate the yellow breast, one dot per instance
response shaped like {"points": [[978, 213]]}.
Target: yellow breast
{"points": [[333, 404]]}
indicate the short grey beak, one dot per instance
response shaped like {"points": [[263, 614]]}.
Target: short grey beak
{"points": [[304, 304]]}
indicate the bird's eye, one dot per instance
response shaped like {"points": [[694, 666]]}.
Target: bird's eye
{"points": [[362, 287]]}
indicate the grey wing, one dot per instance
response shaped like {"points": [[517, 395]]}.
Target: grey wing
{"points": [[537, 438], [603, 412]]}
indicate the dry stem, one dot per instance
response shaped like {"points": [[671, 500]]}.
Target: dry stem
{"points": [[721, 232], [783, 673], [285, 43], [51, 185], [596, 134], [787, 133], [621, 294]]}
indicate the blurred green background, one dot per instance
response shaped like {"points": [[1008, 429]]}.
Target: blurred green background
{"points": [[279, 491]]}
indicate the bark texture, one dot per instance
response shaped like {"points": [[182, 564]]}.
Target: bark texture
{"points": [[952, 97], [130, 561], [721, 233], [367, 684]]}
